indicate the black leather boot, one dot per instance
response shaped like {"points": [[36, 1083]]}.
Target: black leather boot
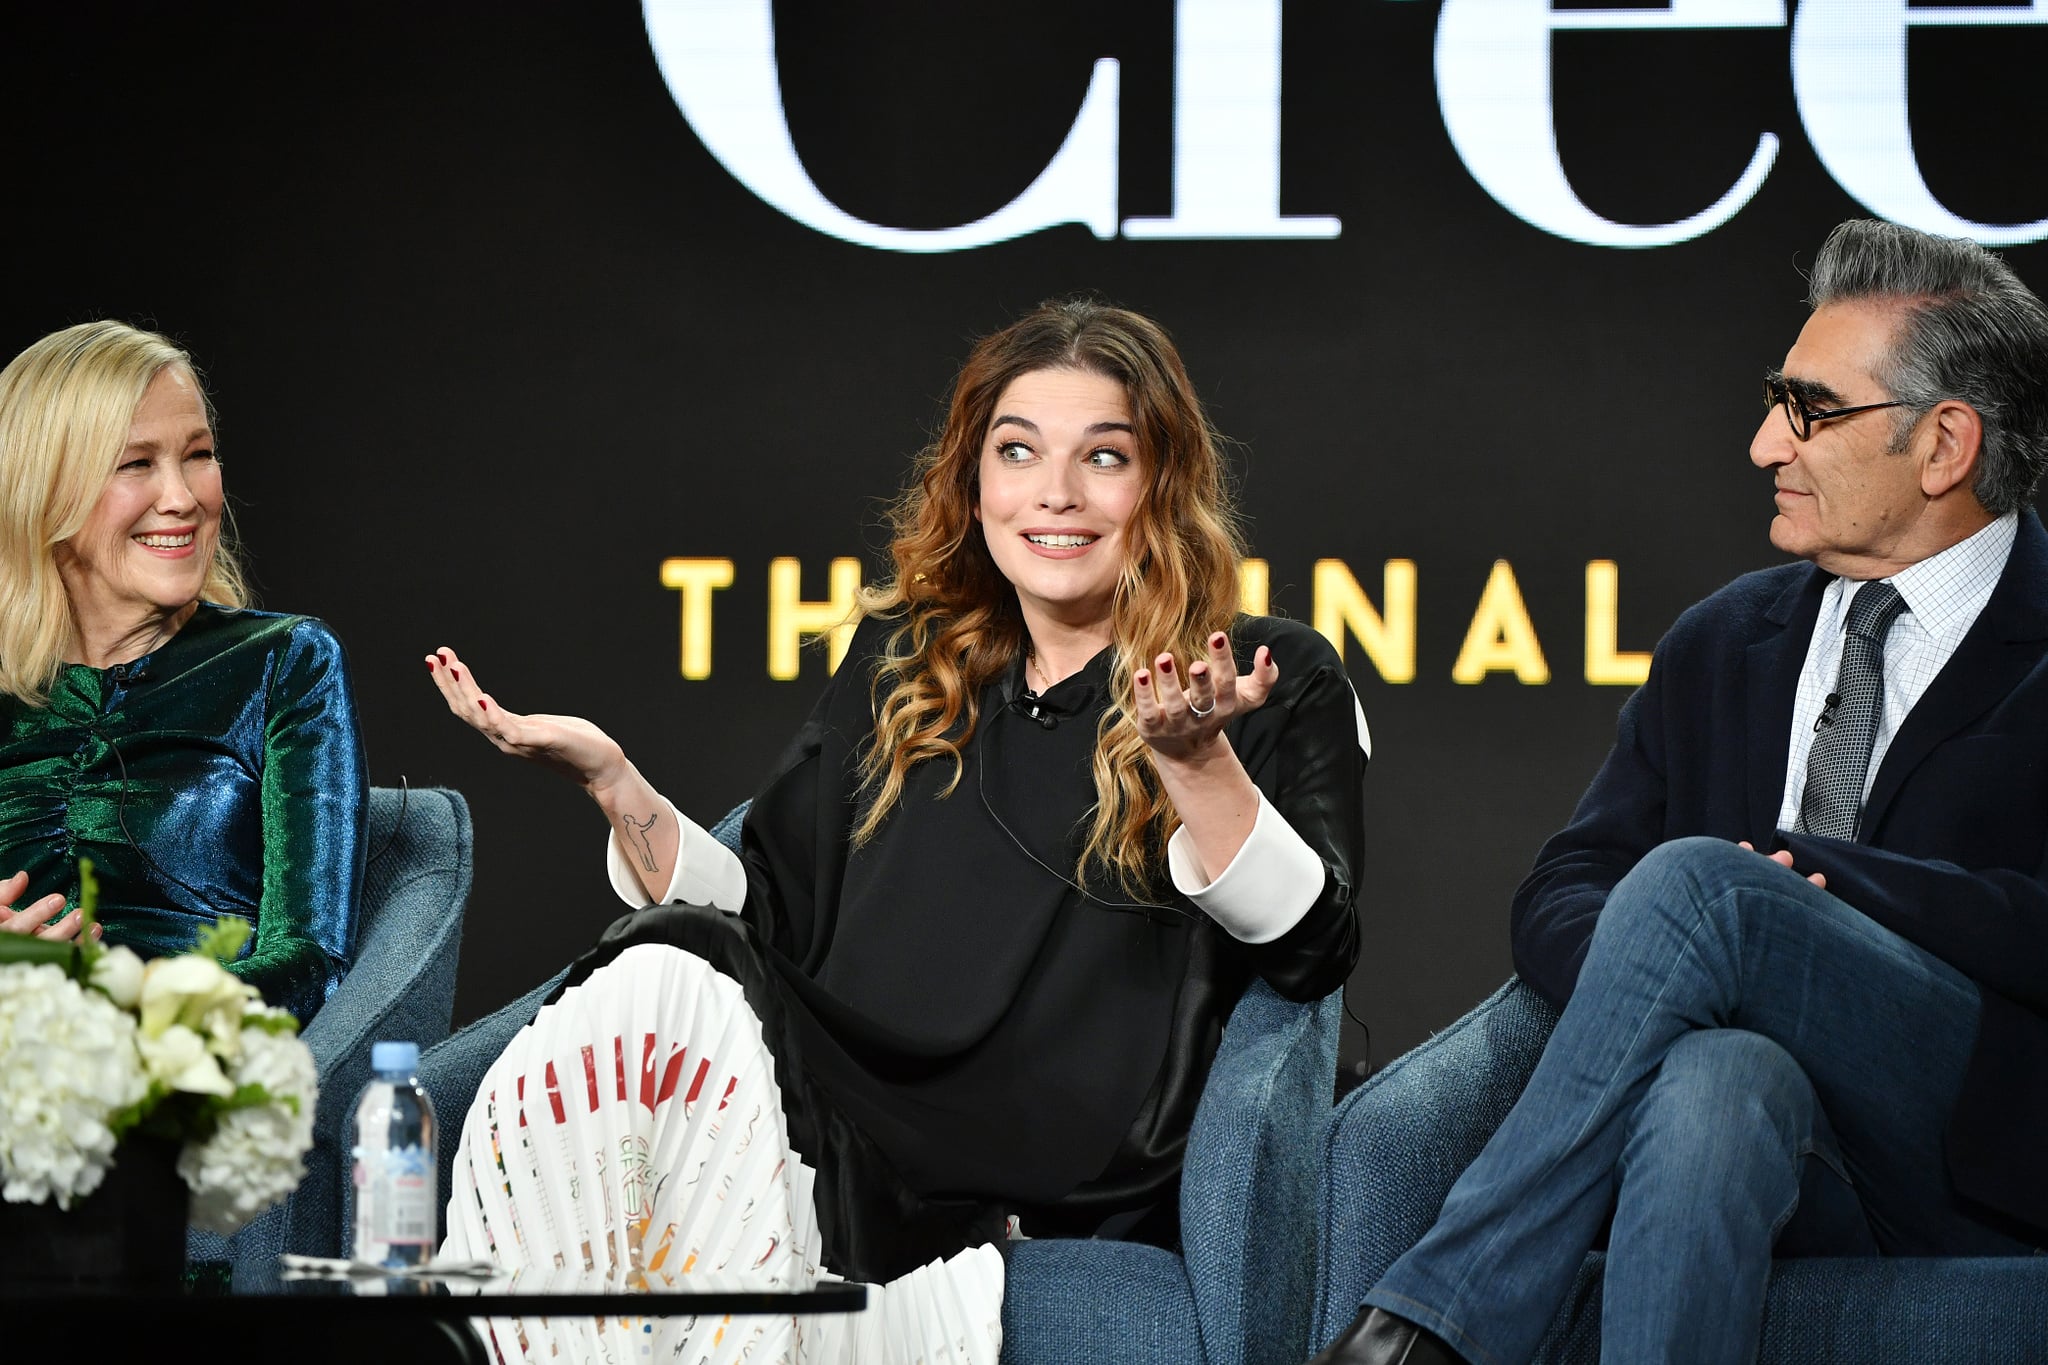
{"points": [[1377, 1337]]}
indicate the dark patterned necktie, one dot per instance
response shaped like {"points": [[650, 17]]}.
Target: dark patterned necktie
{"points": [[1832, 803]]}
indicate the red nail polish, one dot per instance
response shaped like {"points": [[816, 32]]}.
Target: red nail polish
{"points": [[455, 673], [1166, 665], [1216, 641], [484, 702], [430, 665], [1144, 679]]}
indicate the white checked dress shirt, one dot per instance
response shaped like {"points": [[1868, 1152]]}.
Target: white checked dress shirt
{"points": [[1944, 594]]}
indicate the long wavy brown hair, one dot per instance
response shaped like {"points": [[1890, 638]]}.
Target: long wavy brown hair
{"points": [[959, 625]]}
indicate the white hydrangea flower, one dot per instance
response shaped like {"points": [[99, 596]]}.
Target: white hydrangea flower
{"points": [[256, 1157], [67, 1063], [281, 1064]]}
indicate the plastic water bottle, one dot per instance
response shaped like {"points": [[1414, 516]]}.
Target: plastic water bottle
{"points": [[397, 1211]]}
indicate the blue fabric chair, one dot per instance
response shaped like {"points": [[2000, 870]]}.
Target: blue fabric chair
{"points": [[401, 985], [1241, 1291], [1397, 1144]]}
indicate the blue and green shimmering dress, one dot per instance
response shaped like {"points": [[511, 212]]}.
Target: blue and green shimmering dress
{"points": [[231, 755]]}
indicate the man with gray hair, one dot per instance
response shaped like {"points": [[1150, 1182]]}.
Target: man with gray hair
{"points": [[1798, 924]]}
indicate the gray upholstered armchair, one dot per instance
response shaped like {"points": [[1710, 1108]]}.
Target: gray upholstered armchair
{"points": [[1398, 1143], [401, 985], [1240, 1290]]}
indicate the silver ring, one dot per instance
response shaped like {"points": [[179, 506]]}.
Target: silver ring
{"points": [[1194, 710]]}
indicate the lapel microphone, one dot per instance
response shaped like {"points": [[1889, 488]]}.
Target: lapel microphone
{"points": [[1032, 707], [1827, 711]]}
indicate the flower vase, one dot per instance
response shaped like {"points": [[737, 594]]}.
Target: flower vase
{"points": [[126, 1236]]}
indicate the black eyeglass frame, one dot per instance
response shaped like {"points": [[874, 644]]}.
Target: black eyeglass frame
{"points": [[1779, 393]]}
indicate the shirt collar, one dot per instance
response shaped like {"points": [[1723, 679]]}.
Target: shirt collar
{"points": [[1943, 586]]}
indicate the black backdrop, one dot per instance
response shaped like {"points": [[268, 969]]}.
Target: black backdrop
{"points": [[493, 335]]}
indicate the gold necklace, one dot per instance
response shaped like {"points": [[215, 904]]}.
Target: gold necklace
{"points": [[1046, 683]]}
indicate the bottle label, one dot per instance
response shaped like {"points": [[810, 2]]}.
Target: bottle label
{"points": [[394, 1198]]}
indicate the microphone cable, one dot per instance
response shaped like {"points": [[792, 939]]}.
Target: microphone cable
{"points": [[1030, 706], [1047, 719]]}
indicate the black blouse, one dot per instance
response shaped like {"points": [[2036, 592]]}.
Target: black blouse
{"points": [[1000, 1032]]}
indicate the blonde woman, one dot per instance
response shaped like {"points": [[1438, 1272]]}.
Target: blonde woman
{"points": [[1056, 807], [204, 756]]}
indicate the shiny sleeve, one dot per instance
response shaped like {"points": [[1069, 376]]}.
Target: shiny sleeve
{"points": [[315, 812], [1308, 760]]}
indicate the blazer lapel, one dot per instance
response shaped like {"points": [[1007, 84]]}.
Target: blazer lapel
{"points": [[2001, 648], [1772, 672]]}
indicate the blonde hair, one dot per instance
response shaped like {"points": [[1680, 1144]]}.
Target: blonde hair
{"points": [[960, 626], [66, 405]]}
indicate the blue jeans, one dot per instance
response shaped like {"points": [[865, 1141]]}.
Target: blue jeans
{"points": [[1745, 1061]]}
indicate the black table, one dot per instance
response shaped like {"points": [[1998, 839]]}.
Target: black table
{"points": [[350, 1322]]}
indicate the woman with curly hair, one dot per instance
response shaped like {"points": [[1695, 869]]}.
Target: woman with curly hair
{"points": [[1057, 805]]}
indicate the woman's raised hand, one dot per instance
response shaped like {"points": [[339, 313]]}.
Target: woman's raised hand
{"points": [[1180, 712], [580, 752], [569, 745], [45, 918]]}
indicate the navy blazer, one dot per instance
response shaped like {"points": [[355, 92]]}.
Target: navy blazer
{"points": [[1952, 855]]}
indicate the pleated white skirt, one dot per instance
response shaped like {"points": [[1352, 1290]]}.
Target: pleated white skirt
{"points": [[633, 1133]]}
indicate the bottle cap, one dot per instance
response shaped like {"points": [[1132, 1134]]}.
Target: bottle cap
{"points": [[394, 1057]]}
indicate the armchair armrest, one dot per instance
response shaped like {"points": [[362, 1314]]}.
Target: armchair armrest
{"points": [[402, 984], [452, 1069], [1251, 1176], [1400, 1141]]}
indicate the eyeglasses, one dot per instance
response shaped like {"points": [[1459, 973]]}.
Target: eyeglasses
{"points": [[1778, 392]]}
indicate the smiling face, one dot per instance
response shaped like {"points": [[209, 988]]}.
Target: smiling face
{"points": [[142, 556], [1847, 499], [1060, 480]]}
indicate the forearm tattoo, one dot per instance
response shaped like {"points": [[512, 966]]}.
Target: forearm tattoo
{"points": [[638, 832]]}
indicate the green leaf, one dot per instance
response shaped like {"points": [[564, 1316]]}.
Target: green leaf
{"points": [[140, 1113], [29, 948], [177, 1115], [88, 892], [223, 939], [89, 948], [273, 1023], [254, 1095]]}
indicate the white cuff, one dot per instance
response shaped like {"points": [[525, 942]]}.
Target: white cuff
{"points": [[707, 872], [1267, 888]]}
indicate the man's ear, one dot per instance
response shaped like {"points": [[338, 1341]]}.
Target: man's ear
{"points": [[1958, 434]]}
